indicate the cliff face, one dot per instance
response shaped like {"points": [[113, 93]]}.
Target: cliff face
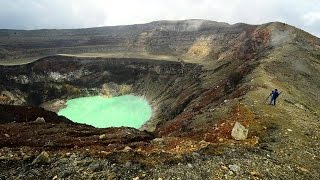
{"points": [[200, 78]]}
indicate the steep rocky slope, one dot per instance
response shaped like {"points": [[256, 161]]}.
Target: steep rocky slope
{"points": [[200, 78]]}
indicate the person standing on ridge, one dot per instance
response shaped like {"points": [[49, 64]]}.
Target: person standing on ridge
{"points": [[274, 95]]}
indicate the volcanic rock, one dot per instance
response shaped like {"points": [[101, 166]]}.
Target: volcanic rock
{"points": [[239, 132], [235, 168], [39, 120], [42, 158], [95, 167]]}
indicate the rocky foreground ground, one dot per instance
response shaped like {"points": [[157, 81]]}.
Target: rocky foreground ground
{"points": [[59, 149], [210, 162]]}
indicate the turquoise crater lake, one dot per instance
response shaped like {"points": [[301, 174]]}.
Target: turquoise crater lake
{"points": [[102, 112]]}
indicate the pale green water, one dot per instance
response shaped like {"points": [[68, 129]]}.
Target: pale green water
{"points": [[101, 112]]}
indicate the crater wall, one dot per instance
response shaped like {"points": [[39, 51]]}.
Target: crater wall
{"points": [[50, 81]]}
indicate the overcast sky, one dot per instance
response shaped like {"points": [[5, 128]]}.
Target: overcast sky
{"points": [[38, 14]]}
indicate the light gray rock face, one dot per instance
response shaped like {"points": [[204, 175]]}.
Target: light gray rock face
{"points": [[39, 120], [239, 132]]}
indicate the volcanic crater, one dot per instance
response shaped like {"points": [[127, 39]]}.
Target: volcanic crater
{"points": [[200, 78]]}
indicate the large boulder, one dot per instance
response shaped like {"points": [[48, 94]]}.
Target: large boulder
{"points": [[239, 132]]}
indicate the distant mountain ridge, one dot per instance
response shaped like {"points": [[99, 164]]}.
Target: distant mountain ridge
{"points": [[159, 37]]}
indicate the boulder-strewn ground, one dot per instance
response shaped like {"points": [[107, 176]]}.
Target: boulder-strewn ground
{"points": [[200, 77]]}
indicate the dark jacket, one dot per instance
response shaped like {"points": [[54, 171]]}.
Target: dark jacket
{"points": [[275, 94]]}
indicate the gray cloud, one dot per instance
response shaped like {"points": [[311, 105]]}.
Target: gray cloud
{"points": [[37, 14]]}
